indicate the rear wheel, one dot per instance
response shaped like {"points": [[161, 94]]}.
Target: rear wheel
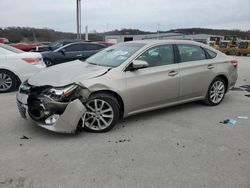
{"points": [[8, 81], [216, 92], [102, 113], [238, 54]]}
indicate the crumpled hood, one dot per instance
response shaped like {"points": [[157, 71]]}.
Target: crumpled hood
{"points": [[67, 73]]}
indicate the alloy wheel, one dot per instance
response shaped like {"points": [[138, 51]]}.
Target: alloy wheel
{"points": [[99, 115], [217, 91], [5, 82]]}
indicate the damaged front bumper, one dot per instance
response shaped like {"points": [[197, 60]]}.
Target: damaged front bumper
{"points": [[66, 122]]}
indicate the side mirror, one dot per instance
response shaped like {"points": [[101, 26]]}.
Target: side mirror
{"points": [[138, 64]]}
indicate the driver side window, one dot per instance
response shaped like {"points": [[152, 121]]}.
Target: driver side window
{"points": [[158, 55]]}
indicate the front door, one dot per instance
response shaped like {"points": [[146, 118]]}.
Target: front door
{"points": [[155, 85]]}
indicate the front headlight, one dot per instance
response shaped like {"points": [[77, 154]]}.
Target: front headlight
{"points": [[61, 93]]}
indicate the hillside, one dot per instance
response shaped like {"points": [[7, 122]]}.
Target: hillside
{"points": [[223, 32], [26, 34]]}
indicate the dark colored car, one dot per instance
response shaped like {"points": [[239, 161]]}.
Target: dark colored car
{"points": [[70, 52], [54, 45]]}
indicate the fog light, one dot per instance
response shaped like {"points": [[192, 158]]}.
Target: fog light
{"points": [[52, 119]]}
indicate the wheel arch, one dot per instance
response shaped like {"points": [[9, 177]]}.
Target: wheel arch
{"points": [[14, 73], [223, 77], [114, 94]]}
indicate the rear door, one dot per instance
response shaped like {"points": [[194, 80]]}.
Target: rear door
{"points": [[73, 52], [196, 70], [156, 85]]}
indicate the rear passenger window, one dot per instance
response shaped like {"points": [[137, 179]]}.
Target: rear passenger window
{"points": [[89, 47], [74, 48], [190, 52], [211, 54]]}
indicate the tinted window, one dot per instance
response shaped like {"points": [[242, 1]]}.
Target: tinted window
{"points": [[158, 56], [190, 52], [89, 47], [211, 54], [243, 45], [223, 45], [74, 48]]}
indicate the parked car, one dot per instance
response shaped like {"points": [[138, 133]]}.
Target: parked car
{"points": [[54, 45], [4, 41], [123, 80], [17, 66], [243, 48], [70, 52], [25, 47], [226, 47]]}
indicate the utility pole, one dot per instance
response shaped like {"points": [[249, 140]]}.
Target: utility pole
{"points": [[78, 18], [158, 31]]}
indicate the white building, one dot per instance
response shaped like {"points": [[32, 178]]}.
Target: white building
{"points": [[204, 38]]}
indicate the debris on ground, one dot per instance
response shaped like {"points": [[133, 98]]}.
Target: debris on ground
{"points": [[242, 117], [237, 89], [246, 87], [25, 137], [122, 141], [229, 121]]}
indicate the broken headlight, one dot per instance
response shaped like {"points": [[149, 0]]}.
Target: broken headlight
{"points": [[24, 87], [62, 93]]}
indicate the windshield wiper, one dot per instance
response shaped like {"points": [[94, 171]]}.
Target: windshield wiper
{"points": [[92, 63]]}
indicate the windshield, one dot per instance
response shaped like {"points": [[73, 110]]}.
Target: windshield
{"points": [[223, 45], [115, 55], [243, 45], [11, 49], [56, 45]]}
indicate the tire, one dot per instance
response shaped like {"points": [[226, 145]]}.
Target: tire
{"points": [[104, 117], [244, 54], [238, 54], [48, 62], [8, 81], [216, 88]]}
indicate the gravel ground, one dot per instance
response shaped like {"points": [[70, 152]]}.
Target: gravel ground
{"points": [[178, 147]]}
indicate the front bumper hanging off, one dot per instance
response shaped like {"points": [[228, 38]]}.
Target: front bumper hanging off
{"points": [[67, 122]]}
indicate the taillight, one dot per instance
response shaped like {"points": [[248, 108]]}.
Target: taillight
{"points": [[32, 60], [235, 63]]}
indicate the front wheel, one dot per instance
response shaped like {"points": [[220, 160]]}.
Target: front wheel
{"points": [[102, 113], [216, 92]]}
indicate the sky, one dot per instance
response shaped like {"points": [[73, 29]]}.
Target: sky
{"points": [[104, 15]]}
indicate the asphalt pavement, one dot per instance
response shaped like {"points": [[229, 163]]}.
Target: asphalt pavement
{"points": [[184, 146]]}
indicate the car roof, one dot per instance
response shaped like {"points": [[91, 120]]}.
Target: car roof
{"points": [[58, 49], [149, 43]]}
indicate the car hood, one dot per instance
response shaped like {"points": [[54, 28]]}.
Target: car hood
{"points": [[67, 73]]}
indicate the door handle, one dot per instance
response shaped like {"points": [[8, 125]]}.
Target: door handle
{"points": [[172, 73], [210, 66], [80, 55]]}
